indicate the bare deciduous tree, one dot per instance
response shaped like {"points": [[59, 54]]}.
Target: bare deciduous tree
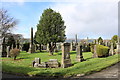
{"points": [[6, 23]]}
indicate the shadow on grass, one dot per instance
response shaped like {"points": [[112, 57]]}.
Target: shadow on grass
{"points": [[17, 70], [43, 51], [72, 52], [88, 58], [25, 58], [60, 53]]}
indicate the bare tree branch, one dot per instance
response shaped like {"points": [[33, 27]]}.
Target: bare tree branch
{"points": [[6, 22]]}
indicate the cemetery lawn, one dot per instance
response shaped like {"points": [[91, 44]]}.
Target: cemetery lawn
{"points": [[23, 64]]}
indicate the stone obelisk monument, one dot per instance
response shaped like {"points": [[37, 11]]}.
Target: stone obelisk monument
{"points": [[32, 47], [76, 40]]}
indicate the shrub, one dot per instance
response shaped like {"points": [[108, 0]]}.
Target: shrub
{"points": [[102, 51], [14, 53]]}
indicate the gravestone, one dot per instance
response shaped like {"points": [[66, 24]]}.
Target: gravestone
{"points": [[32, 47], [12, 47], [94, 42], [71, 46], [95, 52], [66, 61], [106, 43], [38, 60], [97, 41], [53, 63], [118, 46], [36, 65], [8, 51], [21, 48], [111, 51], [43, 65], [17, 44], [47, 47], [79, 56], [59, 47]]}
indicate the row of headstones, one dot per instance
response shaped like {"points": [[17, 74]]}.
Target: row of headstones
{"points": [[111, 50], [65, 62], [5, 50], [73, 47]]}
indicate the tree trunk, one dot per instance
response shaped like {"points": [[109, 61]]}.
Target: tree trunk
{"points": [[4, 53], [15, 57], [40, 48], [51, 47]]}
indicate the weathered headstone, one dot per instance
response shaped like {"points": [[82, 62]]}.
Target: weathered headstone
{"points": [[59, 47], [36, 65], [43, 65], [95, 52], [44, 47], [8, 51], [97, 41], [32, 47], [111, 51], [79, 56], [66, 61], [106, 43], [118, 46], [17, 44], [38, 60], [71, 46], [20, 48], [47, 47], [94, 42], [53, 63]]}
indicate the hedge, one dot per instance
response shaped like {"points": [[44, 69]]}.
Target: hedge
{"points": [[102, 51]]}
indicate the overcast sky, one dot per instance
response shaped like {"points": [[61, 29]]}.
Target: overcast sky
{"points": [[87, 18]]}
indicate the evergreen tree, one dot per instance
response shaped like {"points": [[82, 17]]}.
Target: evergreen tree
{"points": [[50, 29], [100, 40]]}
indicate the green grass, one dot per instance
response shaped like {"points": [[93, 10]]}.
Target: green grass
{"points": [[23, 65]]}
